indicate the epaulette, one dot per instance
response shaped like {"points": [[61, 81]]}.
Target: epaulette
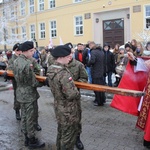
{"points": [[55, 66]]}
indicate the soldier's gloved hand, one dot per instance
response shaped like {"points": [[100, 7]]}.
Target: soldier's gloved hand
{"points": [[46, 82], [6, 77]]}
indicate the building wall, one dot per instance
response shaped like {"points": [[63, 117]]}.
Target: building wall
{"points": [[65, 12]]}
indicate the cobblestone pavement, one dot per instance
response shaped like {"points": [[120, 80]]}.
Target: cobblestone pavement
{"points": [[103, 128]]}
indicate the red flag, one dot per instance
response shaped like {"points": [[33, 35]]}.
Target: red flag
{"points": [[132, 81]]}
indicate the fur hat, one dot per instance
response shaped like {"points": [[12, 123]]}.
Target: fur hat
{"points": [[27, 46], [61, 51], [122, 47]]}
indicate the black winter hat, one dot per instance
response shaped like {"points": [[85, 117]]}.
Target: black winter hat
{"points": [[16, 47], [27, 46], [61, 51], [106, 44], [128, 45]]}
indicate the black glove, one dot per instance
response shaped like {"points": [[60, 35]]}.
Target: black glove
{"points": [[46, 82], [6, 77]]}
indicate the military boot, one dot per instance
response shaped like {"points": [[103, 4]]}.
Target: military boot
{"points": [[35, 143], [79, 144], [18, 117], [26, 142], [37, 127]]}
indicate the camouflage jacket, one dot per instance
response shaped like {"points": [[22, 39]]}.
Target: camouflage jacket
{"points": [[78, 71], [26, 80], [65, 94], [11, 62], [51, 60]]}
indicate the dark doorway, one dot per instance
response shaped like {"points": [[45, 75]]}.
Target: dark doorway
{"points": [[113, 32]]}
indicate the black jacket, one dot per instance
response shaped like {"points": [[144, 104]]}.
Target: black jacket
{"points": [[97, 63], [109, 59]]}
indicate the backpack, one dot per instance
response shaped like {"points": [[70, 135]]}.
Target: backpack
{"points": [[36, 55]]}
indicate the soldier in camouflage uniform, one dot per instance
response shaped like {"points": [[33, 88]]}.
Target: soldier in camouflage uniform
{"points": [[78, 73], [17, 52], [27, 93], [66, 96]]}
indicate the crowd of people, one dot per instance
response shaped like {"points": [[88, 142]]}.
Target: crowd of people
{"points": [[62, 65]]}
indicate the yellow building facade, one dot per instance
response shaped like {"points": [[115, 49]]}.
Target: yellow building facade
{"points": [[77, 21]]}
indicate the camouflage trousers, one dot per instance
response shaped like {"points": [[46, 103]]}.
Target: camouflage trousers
{"points": [[66, 136], [80, 117], [16, 103], [29, 117]]}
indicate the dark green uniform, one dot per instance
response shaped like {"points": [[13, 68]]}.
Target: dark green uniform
{"points": [[26, 92], [11, 67], [66, 97], [79, 74]]}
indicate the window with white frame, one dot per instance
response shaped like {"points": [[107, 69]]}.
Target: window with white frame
{"points": [[53, 29], [51, 3], [41, 5], [32, 31], [77, 1], [78, 25], [23, 28], [22, 8], [147, 16], [31, 6], [42, 30]]}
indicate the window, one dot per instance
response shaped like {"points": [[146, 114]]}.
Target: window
{"points": [[53, 29], [31, 6], [42, 30], [41, 5], [12, 13], [22, 9], [147, 16], [51, 3], [23, 32], [76, 1], [79, 25], [12, 33], [32, 31]]}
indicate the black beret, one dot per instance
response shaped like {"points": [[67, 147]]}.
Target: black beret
{"points": [[69, 45], [16, 46], [61, 51], [128, 45], [27, 46]]}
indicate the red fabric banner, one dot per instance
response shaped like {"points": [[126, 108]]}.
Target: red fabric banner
{"points": [[132, 81]]}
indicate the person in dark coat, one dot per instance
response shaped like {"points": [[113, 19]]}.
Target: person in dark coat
{"points": [[97, 70], [109, 67]]}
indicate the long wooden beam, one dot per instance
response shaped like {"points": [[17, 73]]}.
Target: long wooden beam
{"points": [[93, 87]]}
